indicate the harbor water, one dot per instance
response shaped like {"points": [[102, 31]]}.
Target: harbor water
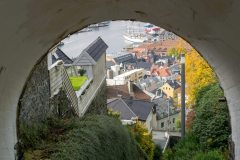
{"points": [[112, 35]]}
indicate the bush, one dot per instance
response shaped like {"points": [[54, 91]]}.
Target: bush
{"points": [[208, 137], [211, 155], [31, 136], [143, 138], [185, 149], [97, 137], [81, 72], [157, 152], [211, 124], [168, 155]]}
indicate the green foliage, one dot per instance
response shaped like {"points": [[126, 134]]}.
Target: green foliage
{"points": [[35, 135], [168, 155], [208, 138], [211, 155], [61, 105], [176, 52], [189, 148], [30, 136], [185, 149], [143, 138], [211, 124], [157, 152], [77, 81], [113, 114], [81, 72], [97, 137], [178, 123]]}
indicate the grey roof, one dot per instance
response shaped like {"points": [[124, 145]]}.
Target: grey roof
{"points": [[84, 59], [141, 108], [165, 114], [141, 64], [96, 48], [129, 108], [118, 105], [174, 68], [60, 55], [109, 64], [126, 58]]}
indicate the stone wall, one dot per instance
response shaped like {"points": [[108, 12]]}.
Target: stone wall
{"points": [[34, 101]]}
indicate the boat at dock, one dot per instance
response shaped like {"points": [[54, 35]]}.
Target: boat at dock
{"points": [[101, 24], [85, 30], [135, 38]]}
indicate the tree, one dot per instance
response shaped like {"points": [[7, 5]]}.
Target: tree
{"points": [[198, 72], [144, 139], [212, 122], [198, 75], [176, 52]]}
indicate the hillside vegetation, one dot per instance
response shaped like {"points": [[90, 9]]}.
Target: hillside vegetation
{"points": [[94, 137]]}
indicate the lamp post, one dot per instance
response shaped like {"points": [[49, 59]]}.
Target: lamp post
{"points": [[182, 95], [168, 114]]}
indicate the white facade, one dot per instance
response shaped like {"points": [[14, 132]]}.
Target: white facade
{"points": [[133, 75], [151, 122]]}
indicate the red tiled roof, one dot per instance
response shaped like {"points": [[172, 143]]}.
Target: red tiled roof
{"points": [[161, 46], [163, 72], [160, 71]]}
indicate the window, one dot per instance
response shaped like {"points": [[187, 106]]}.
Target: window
{"points": [[162, 124], [173, 120]]}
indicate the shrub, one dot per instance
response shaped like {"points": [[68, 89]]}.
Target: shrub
{"points": [[144, 139], [211, 124], [186, 147], [97, 137], [168, 155], [81, 72], [157, 152], [30, 136], [211, 155]]}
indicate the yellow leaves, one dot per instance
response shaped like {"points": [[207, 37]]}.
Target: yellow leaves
{"points": [[198, 74]]}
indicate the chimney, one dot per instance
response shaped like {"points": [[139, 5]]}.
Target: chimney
{"points": [[130, 87]]}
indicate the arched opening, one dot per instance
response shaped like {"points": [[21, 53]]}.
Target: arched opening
{"points": [[162, 51], [202, 24]]}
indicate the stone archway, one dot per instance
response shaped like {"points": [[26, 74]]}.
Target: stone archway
{"points": [[30, 28]]}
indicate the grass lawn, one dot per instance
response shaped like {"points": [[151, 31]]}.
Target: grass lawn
{"points": [[77, 82]]}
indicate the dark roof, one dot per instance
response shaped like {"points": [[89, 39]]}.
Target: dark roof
{"points": [[141, 108], [126, 58], [165, 115], [129, 108], [59, 55], [115, 91], [118, 105], [84, 59], [173, 84], [96, 48], [141, 64], [109, 64]]}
